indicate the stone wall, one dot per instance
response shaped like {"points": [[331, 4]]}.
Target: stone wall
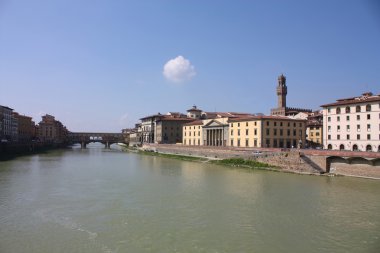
{"points": [[288, 160]]}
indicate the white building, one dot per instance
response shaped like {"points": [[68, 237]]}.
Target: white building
{"points": [[352, 124]]}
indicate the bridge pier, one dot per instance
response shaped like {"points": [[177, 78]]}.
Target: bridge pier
{"points": [[107, 145], [83, 145]]}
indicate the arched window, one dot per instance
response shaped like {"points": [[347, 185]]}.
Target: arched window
{"points": [[368, 148], [338, 110], [355, 147], [368, 108], [358, 108], [341, 147], [329, 147], [348, 110]]}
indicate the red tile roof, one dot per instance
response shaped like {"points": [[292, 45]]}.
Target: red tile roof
{"points": [[354, 100]]}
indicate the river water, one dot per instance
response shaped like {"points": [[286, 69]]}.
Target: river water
{"points": [[98, 200]]}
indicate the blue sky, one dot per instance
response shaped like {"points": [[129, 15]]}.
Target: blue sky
{"points": [[98, 65]]}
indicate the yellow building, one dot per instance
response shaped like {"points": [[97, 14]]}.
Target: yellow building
{"points": [[267, 132], [192, 133]]}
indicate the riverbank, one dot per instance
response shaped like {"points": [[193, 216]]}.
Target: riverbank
{"points": [[289, 161], [214, 159], [12, 151]]}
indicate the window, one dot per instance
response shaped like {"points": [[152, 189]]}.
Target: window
{"points": [[368, 137], [338, 110], [232, 132], [267, 131], [338, 128], [288, 124], [246, 143], [238, 132], [300, 124], [255, 132], [267, 123], [348, 136], [358, 128], [348, 128], [281, 132], [238, 143], [232, 142], [328, 110], [348, 118], [358, 108], [357, 117], [288, 132], [280, 123], [317, 133], [329, 137], [238, 124], [368, 108], [358, 136], [329, 128], [338, 137], [246, 131], [294, 124], [338, 118], [275, 123], [199, 133], [368, 116], [368, 127], [328, 119], [255, 123], [348, 110], [232, 124], [246, 124], [255, 143], [274, 131], [294, 132]]}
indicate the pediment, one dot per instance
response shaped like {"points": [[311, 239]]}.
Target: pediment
{"points": [[213, 123]]}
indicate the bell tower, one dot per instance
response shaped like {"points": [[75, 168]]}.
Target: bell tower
{"points": [[282, 90]]}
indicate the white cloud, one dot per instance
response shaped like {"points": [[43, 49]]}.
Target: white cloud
{"points": [[179, 70]]}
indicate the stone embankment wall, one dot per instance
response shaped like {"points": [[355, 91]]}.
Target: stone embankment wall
{"points": [[293, 160]]}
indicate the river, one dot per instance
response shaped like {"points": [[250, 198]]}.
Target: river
{"points": [[98, 200]]}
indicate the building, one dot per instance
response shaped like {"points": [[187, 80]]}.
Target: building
{"points": [[14, 134], [51, 130], [211, 130], [169, 128], [148, 127], [6, 123], [314, 129], [352, 123], [267, 132], [25, 128], [163, 128], [282, 109]]}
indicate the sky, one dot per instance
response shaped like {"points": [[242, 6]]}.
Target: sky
{"points": [[100, 66]]}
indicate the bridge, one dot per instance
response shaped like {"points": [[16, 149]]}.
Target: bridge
{"points": [[85, 138]]}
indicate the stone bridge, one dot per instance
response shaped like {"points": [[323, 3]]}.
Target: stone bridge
{"points": [[85, 138]]}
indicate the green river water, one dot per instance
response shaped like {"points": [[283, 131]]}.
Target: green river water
{"points": [[98, 200]]}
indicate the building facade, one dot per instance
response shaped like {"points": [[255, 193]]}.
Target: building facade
{"points": [[26, 128], [352, 123], [267, 132], [169, 128], [6, 123], [51, 130]]}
